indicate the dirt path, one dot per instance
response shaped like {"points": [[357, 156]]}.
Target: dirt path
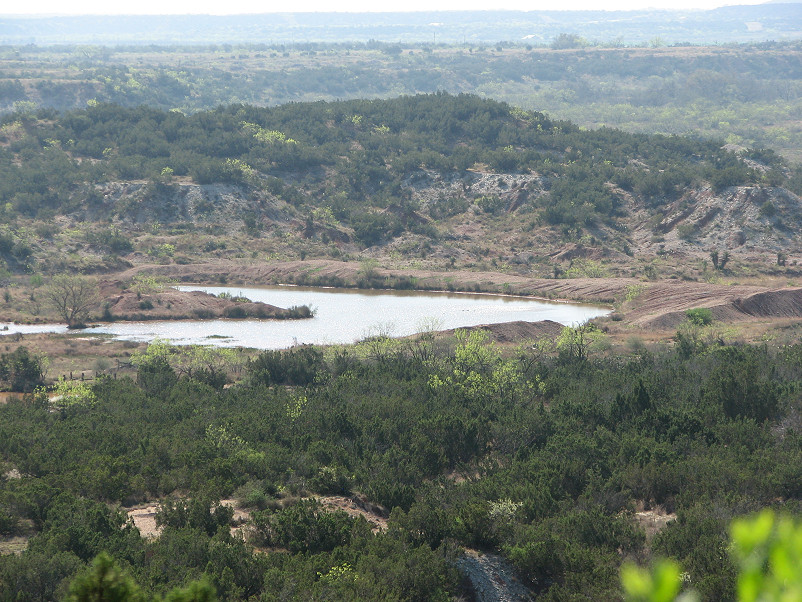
{"points": [[493, 578]]}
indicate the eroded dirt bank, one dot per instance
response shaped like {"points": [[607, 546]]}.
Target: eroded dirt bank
{"points": [[662, 305], [647, 305]]}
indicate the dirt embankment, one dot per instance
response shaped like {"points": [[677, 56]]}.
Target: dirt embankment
{"points": [[356, 506], [662, 305], [178, 305], [323, 272], [510, 332]]}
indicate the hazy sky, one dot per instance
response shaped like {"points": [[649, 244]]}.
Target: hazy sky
{"points": [[106, 7]]}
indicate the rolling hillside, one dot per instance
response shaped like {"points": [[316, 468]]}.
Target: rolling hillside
{"points": [[437, 181]]}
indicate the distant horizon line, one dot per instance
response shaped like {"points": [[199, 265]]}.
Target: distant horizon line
{"points": [[380, 12]]}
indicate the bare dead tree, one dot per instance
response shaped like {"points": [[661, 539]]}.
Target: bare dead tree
{"points": [[73, 297]]}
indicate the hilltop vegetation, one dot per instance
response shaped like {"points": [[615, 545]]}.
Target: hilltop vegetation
{"points": [[746, 94], [424, 176]]}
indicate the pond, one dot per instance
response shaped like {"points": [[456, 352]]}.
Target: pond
{"points": [[341, 316]]}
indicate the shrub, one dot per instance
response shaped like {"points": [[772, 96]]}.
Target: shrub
{"points": [[21, 370], [701, 316], [294, 367], [304, 527]]}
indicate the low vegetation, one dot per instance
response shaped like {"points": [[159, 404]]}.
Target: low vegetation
{"points": [[543, 456]]}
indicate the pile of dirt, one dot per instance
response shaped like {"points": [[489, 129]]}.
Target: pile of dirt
{"points": [[513, 332], [785, 303]]}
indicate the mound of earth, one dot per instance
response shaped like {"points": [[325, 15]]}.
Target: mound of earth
{"points": [[511, 332], [786, 303], [172, 304]]}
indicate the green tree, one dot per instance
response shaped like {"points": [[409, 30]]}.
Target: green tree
{"points": [[568, 40], [700, 316], [104, 581], [574, 342]]}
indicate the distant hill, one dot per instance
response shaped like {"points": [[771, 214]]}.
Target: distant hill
{"points": [[748, 94], [780, 21], [455, 180]]}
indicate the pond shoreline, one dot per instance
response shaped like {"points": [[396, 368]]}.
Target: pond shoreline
{"points": [[354, 275], [345, 315], [396, 291]]}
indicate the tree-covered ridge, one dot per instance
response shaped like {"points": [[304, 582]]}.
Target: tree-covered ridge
{"points": [[352, 157], [540, 457], [748, 94]]}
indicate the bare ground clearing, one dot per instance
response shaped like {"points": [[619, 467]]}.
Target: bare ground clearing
{"points": [[653, 521], [14, 545], [144, 519]]}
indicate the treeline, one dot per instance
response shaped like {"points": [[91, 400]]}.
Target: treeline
{"points": [[748, 73], [542, 457], [749, 92], [52, 164]]}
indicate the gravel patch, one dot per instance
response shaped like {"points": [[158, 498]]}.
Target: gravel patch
{"points": [[493, 578]]}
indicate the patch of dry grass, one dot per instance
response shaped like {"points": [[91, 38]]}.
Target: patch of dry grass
{"points": [[15, 545]]}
